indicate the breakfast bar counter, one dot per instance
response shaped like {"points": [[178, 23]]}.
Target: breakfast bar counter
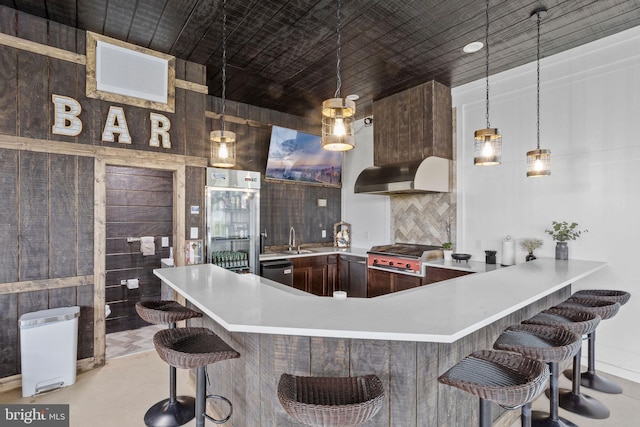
{"points": [[406, 338]]}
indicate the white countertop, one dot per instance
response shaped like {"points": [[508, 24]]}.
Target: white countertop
{"points": [[441, 312]]}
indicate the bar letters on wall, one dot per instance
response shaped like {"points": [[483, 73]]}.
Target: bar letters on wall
{"points": [[66, 122]]}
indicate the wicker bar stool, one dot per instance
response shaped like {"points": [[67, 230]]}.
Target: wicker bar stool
{"points": [[176, 410], [582, 323], [331, 401], [188, 348], [590, 378], [508, 379], [606, 309], [545, 344]]}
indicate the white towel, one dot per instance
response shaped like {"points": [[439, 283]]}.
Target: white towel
{"points": [[148, 245]]}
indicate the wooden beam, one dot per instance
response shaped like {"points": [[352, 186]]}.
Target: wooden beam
{"points": [[179, 233], [179, 221], [119, 156], [44, 284], [42, 49], [99, 260], [234, 119], [193, 87]]}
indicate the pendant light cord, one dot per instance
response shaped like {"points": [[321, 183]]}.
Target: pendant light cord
{"points": [[538, 81], [338, 79], [224, 60], [486, 43]]}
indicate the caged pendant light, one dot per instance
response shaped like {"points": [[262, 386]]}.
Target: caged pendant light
{"points": [[338, 113], [487, 147], [223, 142], [538, 160]]}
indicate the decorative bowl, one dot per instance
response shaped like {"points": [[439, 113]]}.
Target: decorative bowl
{"points": [[461, 257]]}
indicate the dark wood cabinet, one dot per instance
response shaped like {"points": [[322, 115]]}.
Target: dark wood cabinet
{"points": [[323, 274], [435, 274], [333, 277], [353, 276], [384, 282], [379, 283], [413, 124], [316, 274]]}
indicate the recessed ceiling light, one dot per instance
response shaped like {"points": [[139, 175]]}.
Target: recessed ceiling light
{"points": [[353, 97], [473, 47]]}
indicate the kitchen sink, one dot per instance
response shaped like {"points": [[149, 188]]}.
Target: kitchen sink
{"points": [[297, 252]]}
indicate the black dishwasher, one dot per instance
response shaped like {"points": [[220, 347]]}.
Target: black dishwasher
{"points": [[280, 271]]}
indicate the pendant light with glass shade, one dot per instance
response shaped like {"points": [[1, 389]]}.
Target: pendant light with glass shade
{"points": [[487, 147], [538, 160], [223, 142], [338, 113]]}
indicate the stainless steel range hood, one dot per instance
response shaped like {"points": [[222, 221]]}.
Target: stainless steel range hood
{"points": [[430, 175]]}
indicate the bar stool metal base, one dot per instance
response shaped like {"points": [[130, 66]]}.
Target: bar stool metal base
{"points": [[582, 404], [167, 414], [595, 382], [578, 403], [542, 419]]}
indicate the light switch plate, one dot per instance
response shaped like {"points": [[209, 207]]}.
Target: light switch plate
{"points": [[194, 233], [324, 233], [165, 242]]}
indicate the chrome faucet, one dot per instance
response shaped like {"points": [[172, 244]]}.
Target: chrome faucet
{"points": [[292, 238]]}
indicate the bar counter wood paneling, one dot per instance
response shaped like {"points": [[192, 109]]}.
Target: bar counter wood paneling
{"points": [[408, 370], [407, 338]]}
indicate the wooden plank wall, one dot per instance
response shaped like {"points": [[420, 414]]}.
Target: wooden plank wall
{"points": [[139, 203], [287, 205], [47, 181], [46, 225], [282, 205], [26, 96]]}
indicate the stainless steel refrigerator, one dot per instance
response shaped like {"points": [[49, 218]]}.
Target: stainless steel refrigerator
{"points": [[232, 206]]}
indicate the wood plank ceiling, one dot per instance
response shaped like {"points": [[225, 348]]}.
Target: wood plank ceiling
{"points": [[282, 54]]}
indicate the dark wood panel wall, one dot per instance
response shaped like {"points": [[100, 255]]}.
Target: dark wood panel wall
{"points": [[139, 203], [293, 205], [29, 80], [282, 205], [46, 224]]}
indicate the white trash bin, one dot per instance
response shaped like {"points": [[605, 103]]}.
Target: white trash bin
{"points": [[48, 346]]}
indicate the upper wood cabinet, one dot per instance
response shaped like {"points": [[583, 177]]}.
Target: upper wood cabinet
{"points": [[413, 124]]}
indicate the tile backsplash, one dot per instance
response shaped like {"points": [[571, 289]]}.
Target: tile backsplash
{"points": [[422, 218]]}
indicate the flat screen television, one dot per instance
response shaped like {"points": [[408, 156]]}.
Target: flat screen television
{"points": [[298, 156]]}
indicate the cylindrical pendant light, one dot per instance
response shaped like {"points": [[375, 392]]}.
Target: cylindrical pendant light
{"points": [[223, 142], [538, 160], [487, 147], [338, 113]]}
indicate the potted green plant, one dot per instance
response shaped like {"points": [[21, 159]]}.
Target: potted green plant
{"points": [[530, 244], [562, 232], [447, 250]]}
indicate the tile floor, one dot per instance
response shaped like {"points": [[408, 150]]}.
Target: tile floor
{"points": [[131, 342]]}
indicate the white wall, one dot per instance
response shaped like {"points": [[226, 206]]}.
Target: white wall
{"points": [[369, 215], [590, 120]]}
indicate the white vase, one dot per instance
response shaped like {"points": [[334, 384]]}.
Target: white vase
{"points": [[447, 254]]}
